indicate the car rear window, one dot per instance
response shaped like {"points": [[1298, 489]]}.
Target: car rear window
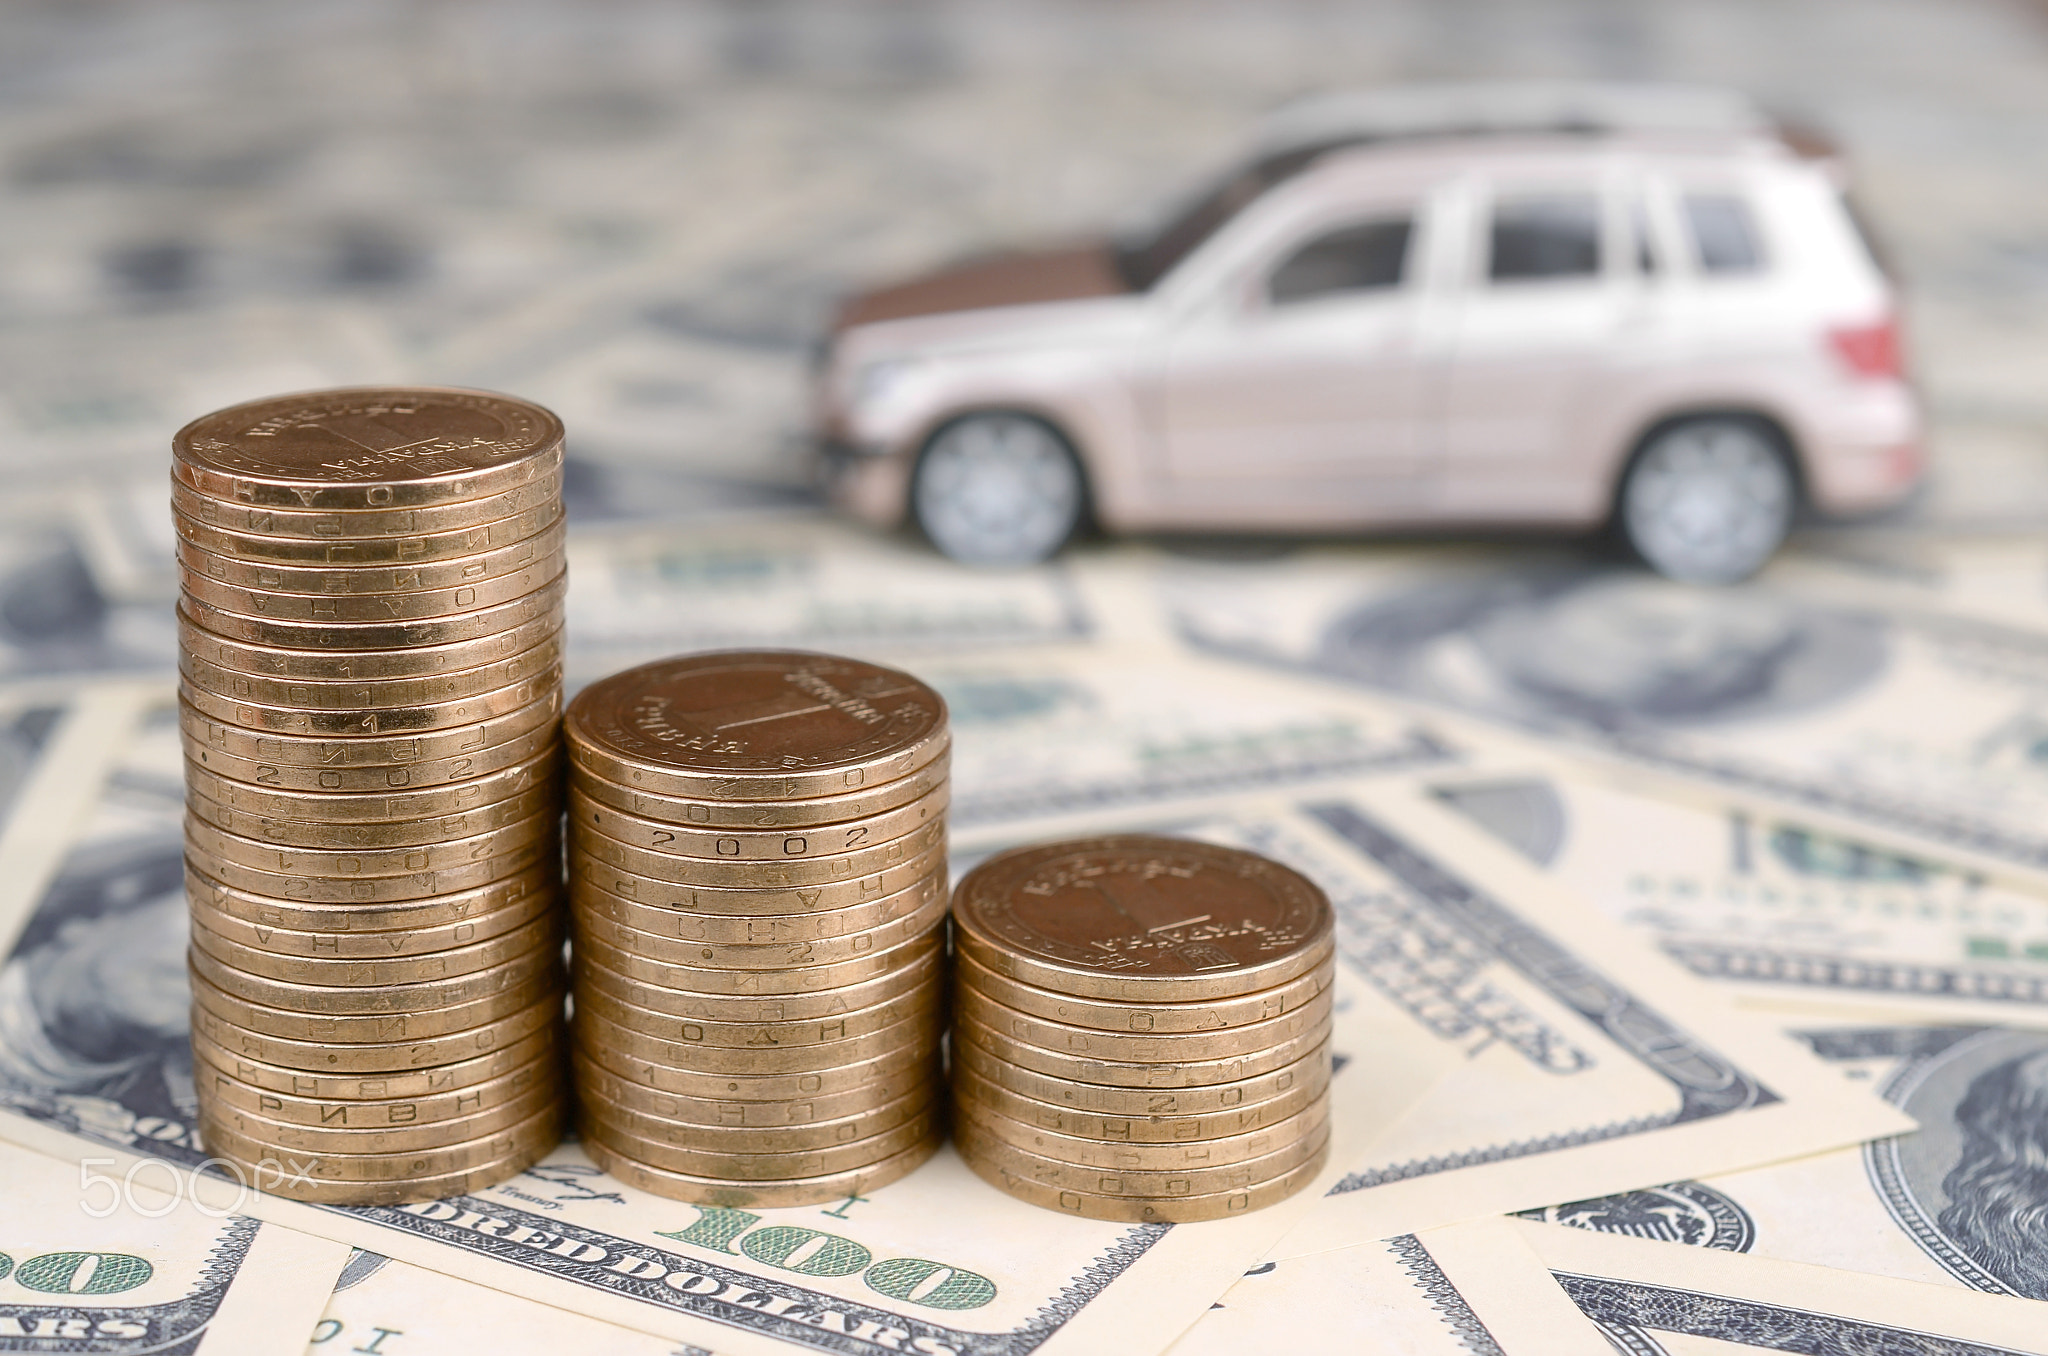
{"points": [[1545, 235], [1724, 233], [1355, 258]]}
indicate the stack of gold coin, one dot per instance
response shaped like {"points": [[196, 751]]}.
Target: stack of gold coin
{"points": [[1141, 1027], [757, 874], [370, 690]]}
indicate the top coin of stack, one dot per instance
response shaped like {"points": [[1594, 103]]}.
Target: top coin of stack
{"points": [[1141, 1027], [758, 879], [370, 694]]}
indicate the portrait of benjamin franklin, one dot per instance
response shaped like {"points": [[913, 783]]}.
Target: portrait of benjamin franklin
{"points": [[1997, 1192], [94, 999], [1565, 645], [1971, 1185]]}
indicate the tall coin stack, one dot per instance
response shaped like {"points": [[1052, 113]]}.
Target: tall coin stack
{"points": [[758, 882], [1141, 1027], [371, 687]]}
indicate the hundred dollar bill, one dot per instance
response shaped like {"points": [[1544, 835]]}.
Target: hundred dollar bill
{"points": [[1652, 1298], [1054, 741], [1586, 1055], [1471, 1289], [94, 1059], [386, 1308], [1774, 909], [93, 1259], [1958, 1202], [798, 581], [1910, 725]]}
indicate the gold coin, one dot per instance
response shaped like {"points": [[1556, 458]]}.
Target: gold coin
{"points": [[1215, 1015], [466, 1071], [926, 971], [376, 577], [359, 1141], [741, 1195], [1312, 1069], [324, 525], [763, 1036], [783, 982], [765, 814], [347, 945], [376, 720], [368, 448], [409, 549], [544, 601], [596, 1032], [369, 608], [756, 725], [633, 1121], [317, 1052], [734, 1114], [588, 871], [382, 1028], [764, 1166], [771, 929], [370, 890], [366, 972], [648, 956], [759, 875], [1140, 1210], [322, 834], [1129, 1047], [751, 845], [218, 1087], [1135, 917], [352, 694], [412, 663], [919, 1048], [330, 1165], [271, 1173], [705, 1150], [539, 773], [455, 770], [531, 973], [1123, 1156], [401, 749], [975, 1141], [518, 890], [1136, 1073], [369, 863], [1096, 1126]]}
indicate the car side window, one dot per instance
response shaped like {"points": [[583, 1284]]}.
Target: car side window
{"points": [[1724, 233], [1360, 257], [1545, 235]]}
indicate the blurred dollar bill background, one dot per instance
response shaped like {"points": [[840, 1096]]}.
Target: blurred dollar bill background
{"points": [[640, 214]]}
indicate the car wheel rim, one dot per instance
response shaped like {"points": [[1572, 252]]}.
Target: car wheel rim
{"points": [[1709, 503], [998, 491]]}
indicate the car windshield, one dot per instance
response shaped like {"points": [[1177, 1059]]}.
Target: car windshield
{"points": [[1145, 257]]}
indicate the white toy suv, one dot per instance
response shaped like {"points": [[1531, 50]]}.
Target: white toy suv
{"points": [[1493, 305]]}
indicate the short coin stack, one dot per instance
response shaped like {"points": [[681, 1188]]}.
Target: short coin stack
{"points": [[370, 661], [758, 879], [1141, 1027]]}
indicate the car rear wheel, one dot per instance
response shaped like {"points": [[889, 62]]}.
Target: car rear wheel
{"points": [[1708, 501], [998, 489]]}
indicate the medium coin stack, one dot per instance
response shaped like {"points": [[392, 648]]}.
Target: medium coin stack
{"points": [[370, 692], [758, 881], [1141, 1027]]}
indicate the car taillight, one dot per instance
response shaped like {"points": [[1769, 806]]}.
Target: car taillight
{"points": [[1870, 350]]}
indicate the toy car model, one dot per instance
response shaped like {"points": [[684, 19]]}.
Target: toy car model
{"points": [[1563, 306]]}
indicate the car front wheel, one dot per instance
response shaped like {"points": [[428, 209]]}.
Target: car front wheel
{"points": [[1709, 500], [998, 489]]}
